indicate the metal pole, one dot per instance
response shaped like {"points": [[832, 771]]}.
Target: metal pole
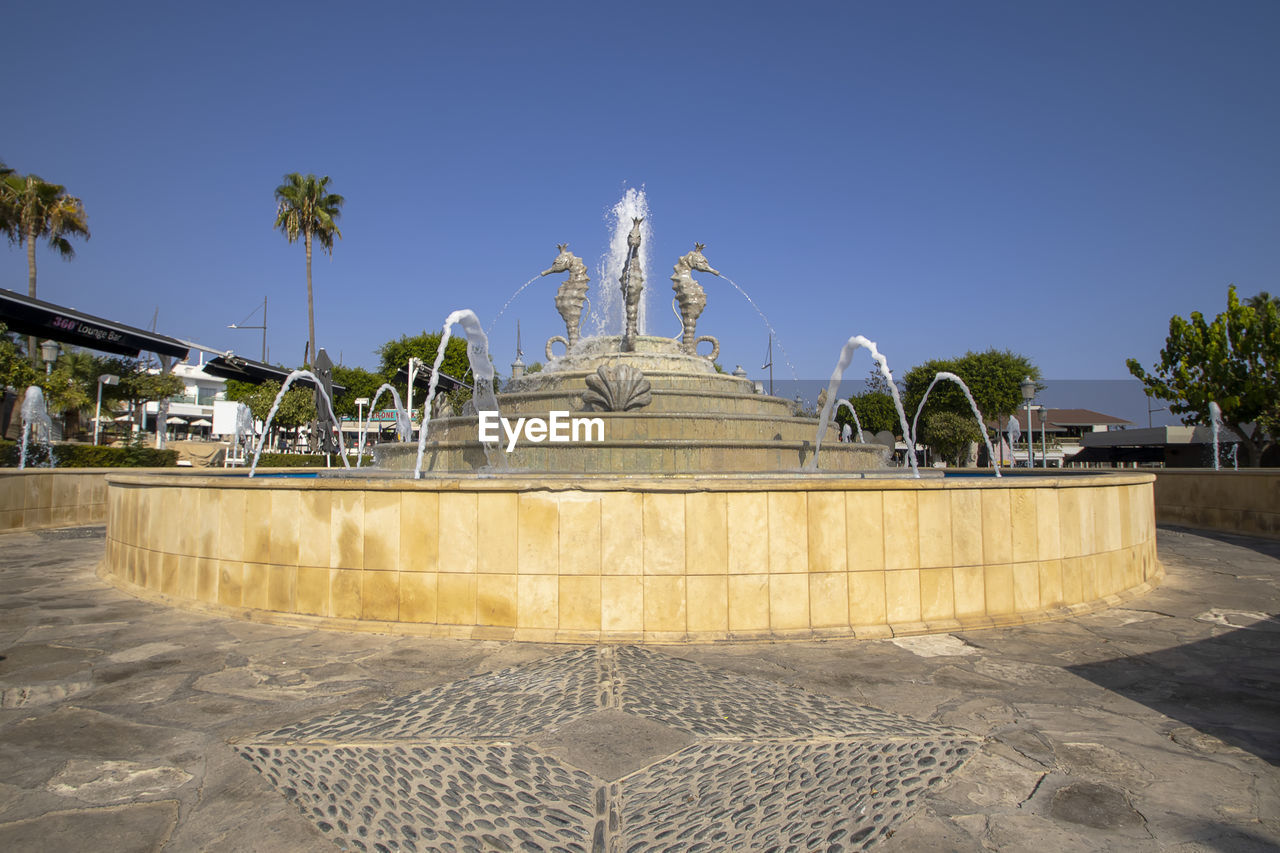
{"points": [[1031, 439], [97, 415], [409, 406], [1044, 442], [264, 330]]}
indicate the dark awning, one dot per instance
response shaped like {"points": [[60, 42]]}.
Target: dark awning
{"points": [[28, 316], [422, 379], [256, 372], [1118, 455]]}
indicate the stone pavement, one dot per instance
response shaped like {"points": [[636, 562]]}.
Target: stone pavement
{"points": [[126, 725]]}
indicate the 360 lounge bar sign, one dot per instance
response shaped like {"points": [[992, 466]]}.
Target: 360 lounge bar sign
{"points": [[87, 330], [28, 316]]}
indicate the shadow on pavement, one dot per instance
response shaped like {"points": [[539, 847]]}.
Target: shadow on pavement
{"points": [[1227, 686], [1266, 547], [1230, 839]]}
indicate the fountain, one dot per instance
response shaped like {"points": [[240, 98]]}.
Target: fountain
{"points": [[1215, 427], [37, 428], [275, 405], [404, 425], [977, 415], [688, 508], [852, 411]]}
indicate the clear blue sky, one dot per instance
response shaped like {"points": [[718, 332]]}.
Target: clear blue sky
{"points": [[1053, 178]]}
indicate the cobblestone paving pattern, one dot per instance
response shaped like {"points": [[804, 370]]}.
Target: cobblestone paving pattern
{"points": [[467, 766], [1148, 728]]}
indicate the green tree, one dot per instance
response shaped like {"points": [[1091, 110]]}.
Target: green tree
{"points": [[875, 412], [395, 356], [140, 386], [994, 377], [359, 383], [32, 208], [305, 208], [297, 407], [1261, 299], [240, 392], [876, 382], [1233, 361], [71, 386], [949, 435], [16, 371]]}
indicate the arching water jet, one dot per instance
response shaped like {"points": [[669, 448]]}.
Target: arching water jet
{"points": [[481, 377], [284, 388], [846, 355], [404, 426], [982, 428]]}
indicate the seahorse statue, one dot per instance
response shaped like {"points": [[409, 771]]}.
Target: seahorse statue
{"points": [[691, 296], [572, 293], [632, 280]]}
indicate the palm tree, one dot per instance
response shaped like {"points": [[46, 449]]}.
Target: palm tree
{"points": [[1260, 300], [34, 208], [306, 208], [6, 206]]}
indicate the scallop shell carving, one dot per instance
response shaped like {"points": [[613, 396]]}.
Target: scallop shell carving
{"points": [[617, 388]]}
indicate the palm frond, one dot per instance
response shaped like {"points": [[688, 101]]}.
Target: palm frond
{"points": [[305, 207], [34, 207]]}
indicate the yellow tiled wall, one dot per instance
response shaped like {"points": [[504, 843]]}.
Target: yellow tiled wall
{"points": [[540, 563], [36, 498], [1246, 501]]}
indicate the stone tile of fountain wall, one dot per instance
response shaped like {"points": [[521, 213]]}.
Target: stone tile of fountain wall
{"points": [[57, 497], [664, 401], [643, 425], [649, 457], [1246, 501], [522, 559]]}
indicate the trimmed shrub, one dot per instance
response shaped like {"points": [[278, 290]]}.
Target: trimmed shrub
{"points": [[89, 456]]}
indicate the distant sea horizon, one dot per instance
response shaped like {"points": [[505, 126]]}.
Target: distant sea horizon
{"points": [[1119, 398]]}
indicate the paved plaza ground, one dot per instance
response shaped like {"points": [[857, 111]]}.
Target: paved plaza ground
{"points": [[127, 725]]}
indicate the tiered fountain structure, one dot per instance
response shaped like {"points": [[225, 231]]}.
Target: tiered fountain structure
{"points": [[691, 521], [665, 408]]}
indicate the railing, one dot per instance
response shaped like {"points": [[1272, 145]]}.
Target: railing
{"points": [[197, 399]]}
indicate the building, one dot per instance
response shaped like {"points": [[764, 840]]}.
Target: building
{"points": [[1166, 447], [1059, 434], [191, 412]]}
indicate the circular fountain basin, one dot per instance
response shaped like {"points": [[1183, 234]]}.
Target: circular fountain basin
{"points": [[608, 558]]}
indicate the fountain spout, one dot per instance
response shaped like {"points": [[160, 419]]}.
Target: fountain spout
{"points": [[632, 285], [571, 295], [691, 296]]}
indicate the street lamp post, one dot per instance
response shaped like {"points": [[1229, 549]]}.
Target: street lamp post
{"points": [[104, 379], [49, 354], [1044, 441], [1028, 393], [361, 402], [263, 327], [414, 364]]}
